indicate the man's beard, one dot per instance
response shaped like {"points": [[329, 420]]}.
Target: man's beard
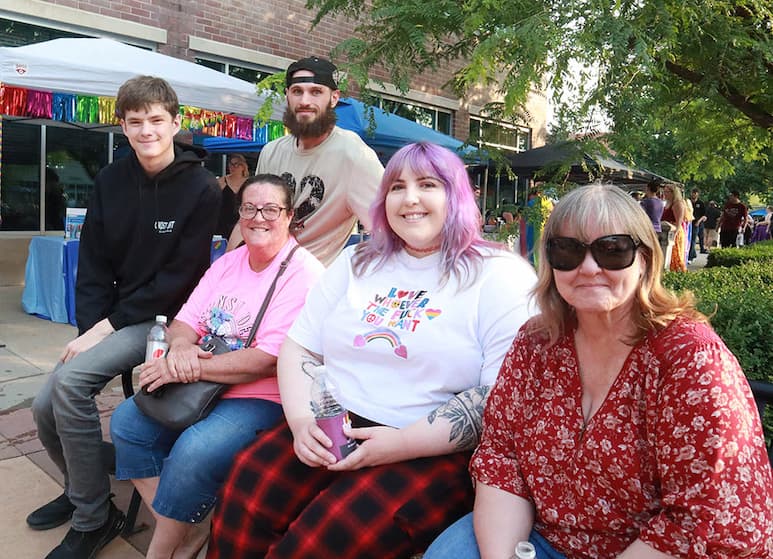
{"points": [[310, 129]]}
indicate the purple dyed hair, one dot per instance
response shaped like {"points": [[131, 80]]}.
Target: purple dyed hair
{"points": [[461, 237]]}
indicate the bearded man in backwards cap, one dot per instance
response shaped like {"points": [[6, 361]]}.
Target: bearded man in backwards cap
{"points": [[335, 175]]}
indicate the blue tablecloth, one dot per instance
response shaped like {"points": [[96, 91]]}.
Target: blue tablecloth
{"points": [[49, 280]]}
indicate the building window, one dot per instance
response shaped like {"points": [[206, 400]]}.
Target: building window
{"points": [[73, 159], [252, 75], [430, 117], [20, 188], [499, 134], [18, 34]]}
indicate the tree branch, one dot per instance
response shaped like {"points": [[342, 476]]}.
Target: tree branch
{"points": [[758, 115]]}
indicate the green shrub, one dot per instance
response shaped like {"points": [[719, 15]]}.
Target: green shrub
{"points": [[739, 303], [728, 257]]}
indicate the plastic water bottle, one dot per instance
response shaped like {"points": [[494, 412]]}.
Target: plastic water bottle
{"points": [[524, 550], [158, 339], [330, 415]]}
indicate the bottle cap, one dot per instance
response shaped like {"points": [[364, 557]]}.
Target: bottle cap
{"points": [[161, 318]]}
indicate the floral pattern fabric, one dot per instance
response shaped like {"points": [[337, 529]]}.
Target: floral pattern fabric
{"points": [[674, 456]]}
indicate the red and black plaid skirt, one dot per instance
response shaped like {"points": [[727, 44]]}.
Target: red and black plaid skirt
{"points": [[273, 505]]}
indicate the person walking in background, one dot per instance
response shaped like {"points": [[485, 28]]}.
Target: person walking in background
{"points": [[710, 224], [145, 243], [333, 173], [698, 219], [653, 206], [229, 184], [689, 247], [732, 220], [674, 213]]}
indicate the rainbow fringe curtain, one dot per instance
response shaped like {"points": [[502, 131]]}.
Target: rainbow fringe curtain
{"points": [[13, 100], [39, 104], [63, 106], [66, 107]]}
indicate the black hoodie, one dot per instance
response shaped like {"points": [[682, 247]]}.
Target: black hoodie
{"points": [[146, 240]]}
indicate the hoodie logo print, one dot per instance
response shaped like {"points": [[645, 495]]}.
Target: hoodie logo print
{"points": [[164, 226]]}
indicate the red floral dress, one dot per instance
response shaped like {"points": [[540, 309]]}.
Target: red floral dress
{"points": [[674, 456]]}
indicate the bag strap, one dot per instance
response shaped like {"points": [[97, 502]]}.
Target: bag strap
{"points": [[267, 299]]}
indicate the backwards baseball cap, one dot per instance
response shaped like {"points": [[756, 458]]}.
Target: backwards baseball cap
{"points": [[323, 70]]}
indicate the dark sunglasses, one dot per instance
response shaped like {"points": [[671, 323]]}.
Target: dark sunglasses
{"points": [[611, 252]]}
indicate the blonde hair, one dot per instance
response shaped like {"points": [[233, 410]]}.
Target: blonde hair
{"points": [[678, 200], [609, 207]]}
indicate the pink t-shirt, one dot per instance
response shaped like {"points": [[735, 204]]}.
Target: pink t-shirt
{"points": [[229, 296]]}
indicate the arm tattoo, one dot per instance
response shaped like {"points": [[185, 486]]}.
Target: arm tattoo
{"points": [[308, 364], [465, 414]]}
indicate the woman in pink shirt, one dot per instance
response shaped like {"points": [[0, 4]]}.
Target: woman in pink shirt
{"points": [[179, 474]]}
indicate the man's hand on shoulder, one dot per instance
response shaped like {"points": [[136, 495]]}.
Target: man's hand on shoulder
{"points": [[87, 340]]}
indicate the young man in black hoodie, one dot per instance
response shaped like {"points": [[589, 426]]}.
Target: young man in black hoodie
{"points": [[144, 245]]}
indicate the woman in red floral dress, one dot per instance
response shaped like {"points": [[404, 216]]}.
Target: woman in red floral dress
{"points": [[620, 425]]}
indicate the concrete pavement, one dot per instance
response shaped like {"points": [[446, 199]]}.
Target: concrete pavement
{"points": [[29, 348]]}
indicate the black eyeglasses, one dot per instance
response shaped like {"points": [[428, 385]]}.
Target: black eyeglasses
{"points": [[269, 213], [611, 252]]}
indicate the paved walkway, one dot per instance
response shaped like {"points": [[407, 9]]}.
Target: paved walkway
{"points": [[29, 348]]}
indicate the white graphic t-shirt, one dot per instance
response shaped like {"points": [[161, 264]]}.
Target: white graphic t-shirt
{"points": [[398, 345]]}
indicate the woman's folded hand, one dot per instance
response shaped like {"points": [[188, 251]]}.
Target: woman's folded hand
{"points": [[154, 374], [183, 361], [377, 446], [310, 443]]}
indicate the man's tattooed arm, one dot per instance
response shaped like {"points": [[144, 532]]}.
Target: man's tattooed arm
{"points": [[465, 414]]}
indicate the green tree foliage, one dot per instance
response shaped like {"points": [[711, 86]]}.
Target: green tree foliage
{"points": [[696, 72]]}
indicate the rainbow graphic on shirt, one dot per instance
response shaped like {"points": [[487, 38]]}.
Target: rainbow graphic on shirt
{"points": [[382, 334]]}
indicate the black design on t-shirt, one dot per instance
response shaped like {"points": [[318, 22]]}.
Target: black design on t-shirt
{"points": [[316, 192]]}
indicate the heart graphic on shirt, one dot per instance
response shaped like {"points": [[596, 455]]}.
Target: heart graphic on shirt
{"points": [[432, 313], [401, 351], [401, 294], [359, 341]]}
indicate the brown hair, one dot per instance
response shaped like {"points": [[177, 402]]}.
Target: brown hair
{"points": [[142, 91], [611, 207], [273, 180]]}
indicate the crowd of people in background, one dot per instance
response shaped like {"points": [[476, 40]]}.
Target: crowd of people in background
{"points": [[694, 222]]}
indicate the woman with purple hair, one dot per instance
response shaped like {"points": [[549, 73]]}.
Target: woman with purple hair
{"points": [[412, 326]]}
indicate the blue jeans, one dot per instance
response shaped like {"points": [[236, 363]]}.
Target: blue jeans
{"points": [[458, 541], [68, 421], [192, 464], [701, 233]]}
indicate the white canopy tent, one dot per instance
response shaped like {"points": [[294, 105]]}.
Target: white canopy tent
{"points": [[99, 66]]}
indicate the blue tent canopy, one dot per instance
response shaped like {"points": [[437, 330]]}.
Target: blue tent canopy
{"points": [[392, 131], [390, 134]]}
